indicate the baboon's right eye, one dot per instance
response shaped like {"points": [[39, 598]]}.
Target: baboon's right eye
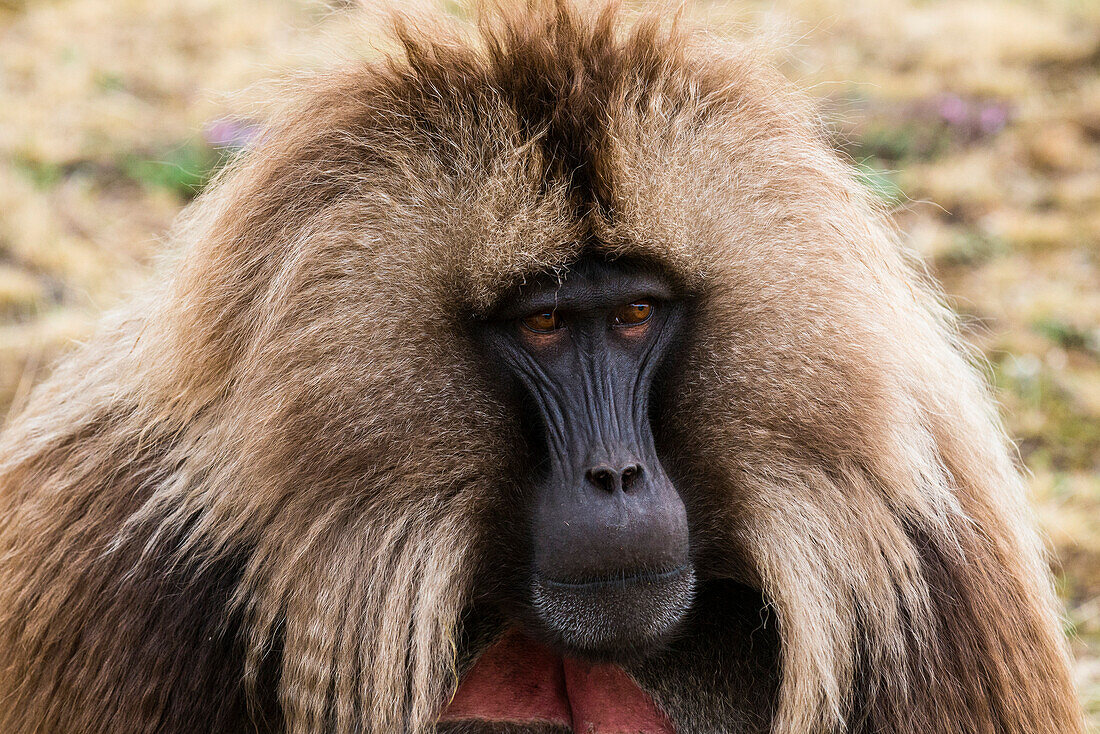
{"points": [[543, 321]]}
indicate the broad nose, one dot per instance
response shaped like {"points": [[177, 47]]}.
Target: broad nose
{"points": [[613, 478], [623, 519]]}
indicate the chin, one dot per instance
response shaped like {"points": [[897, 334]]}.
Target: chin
{"points": [[616, 618]]}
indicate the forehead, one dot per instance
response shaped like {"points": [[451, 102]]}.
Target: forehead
{"points": [[562, 137], [590, 283], [562, 142]]}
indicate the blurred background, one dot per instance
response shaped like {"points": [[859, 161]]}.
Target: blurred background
{"points": [[978, 121]]}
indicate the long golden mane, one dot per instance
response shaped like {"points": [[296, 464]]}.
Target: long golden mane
{"points": [[276, 470]]}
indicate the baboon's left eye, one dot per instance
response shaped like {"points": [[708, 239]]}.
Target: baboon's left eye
{"points": [[632, 314]]}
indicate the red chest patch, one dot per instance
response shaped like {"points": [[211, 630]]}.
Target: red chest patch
{"points": [[519, 681]]}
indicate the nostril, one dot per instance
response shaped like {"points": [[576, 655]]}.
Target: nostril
{"points": [[612, 480], [603, 477], [631, 475]]}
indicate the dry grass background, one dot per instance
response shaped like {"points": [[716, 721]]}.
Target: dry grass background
{"points": [[978, 120]]}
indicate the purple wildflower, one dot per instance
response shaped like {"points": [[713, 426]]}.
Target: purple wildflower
{"points": [[231, 133]]}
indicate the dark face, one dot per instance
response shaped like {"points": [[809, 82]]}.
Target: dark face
{"points": [[610, 567]]}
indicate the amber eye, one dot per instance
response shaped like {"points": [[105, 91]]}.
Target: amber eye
{"points": [[543, 322], [633, 314]]}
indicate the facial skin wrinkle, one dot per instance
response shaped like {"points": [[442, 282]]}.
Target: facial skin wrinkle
{"points": [[556, 428], [589, 378], [614, 401], [549, 406], [606, 401], [644, 378], [640, 410]]}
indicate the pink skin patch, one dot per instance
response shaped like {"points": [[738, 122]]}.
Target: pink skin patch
{"points": [[519, 681]]}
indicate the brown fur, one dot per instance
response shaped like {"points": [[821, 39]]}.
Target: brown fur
{"points": [[260, 499]]}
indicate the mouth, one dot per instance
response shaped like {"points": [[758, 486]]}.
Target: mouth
{"points": [[623, 580], [519, 682], [613, 617]]}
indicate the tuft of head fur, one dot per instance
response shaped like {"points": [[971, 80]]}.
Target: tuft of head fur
{"points": [[278, 471]]}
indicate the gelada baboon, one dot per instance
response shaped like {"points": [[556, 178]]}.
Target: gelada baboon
{"points": [[555, 377]]}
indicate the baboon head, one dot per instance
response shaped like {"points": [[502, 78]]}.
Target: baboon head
{"points": [[553, 375], [610, 565]]}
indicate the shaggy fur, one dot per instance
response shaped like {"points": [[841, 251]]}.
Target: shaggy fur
{"points": [[261, 499]]}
